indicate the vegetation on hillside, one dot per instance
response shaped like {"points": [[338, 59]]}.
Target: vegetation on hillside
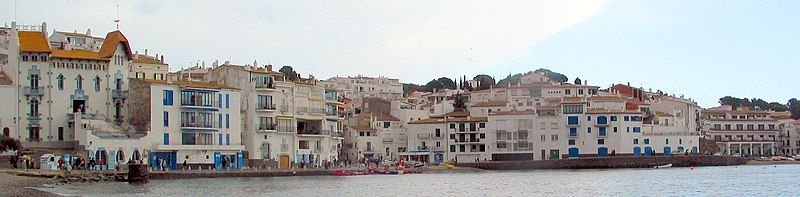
{"points": [[486, 82], [759, 104]]}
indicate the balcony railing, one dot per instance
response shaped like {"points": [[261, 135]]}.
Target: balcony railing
{"points": [[207, 125], [266, 107], [301, 109], [119, 94], [34, 116], [316, 110], [265, 127], [287, 129], [388, 139], [265, 86], [33, 91]]}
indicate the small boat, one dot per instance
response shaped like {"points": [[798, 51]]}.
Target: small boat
{"points": [[339, 172], [663, 166]]}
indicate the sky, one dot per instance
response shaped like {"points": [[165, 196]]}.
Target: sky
{"points": [[703, 50]]}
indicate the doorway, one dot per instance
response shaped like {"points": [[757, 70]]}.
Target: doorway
{"points": [[78, 106], [284, 161]]}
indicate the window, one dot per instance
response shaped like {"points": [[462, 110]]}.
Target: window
{"points": [[544, 137], [482, 125], [613, 118], [227, 139], [635, 141], [79, 82], [601, 131], [96, 83], [680, 141], [615, 129], [438, 133], [227, 101], [483, 136], [166, 138], [566, 91], [386, 124], [227, 121], [219, 123], [601, 141], [666, 141], [60, 82], [589, 130], [646, 141], [166, 118], [303, 144], [168, 97], [573, 132], [571, 142], [588, 118], [453, 126], [572, 120], [573, 109], [554, 137], [626, 118], [637, 129], [472, 126]]}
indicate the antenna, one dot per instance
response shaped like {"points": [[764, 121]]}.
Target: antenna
{"points": [[117, 20]]}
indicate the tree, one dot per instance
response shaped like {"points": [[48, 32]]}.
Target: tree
{"points": [[735, 102], [7, 143], [409, 88], [447, 83], [577, 81], [554, 76], [794, 107], [458, 103], [289, 72], [484, 81], [433, 85]]}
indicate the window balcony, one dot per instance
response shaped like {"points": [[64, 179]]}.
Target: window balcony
{"points": [[388, 139], [33, 91], [286, 129], [573, 133], [119, 94], [267, 127], [316, 110], [198, 125], [573, 121], [34, 117]]}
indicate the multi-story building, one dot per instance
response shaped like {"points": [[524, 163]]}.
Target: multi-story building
{"points": [[791, 137], [286, 122], [359, 87], [149, 67], [53, 83], [742, 131], [455, 136]]}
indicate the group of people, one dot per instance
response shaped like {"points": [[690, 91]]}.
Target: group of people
{"points": [[79, 163], [22, 162]]}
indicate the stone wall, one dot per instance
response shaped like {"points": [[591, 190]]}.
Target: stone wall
{"points": [[611, 162]]}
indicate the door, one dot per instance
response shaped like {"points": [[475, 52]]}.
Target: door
{"points": [[573, 152], [265, 154], [78, 106], [602, 152], [694, 149], [217, 161], [648, 151], [667, 150], [284, 161], [438, 158], [554, 154], [637, 151], [239, 160]]}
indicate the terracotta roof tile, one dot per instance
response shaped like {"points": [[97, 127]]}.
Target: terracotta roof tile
{"points": [[514, 112], [662, 114], [78, 54], [607, 111], [33, 41], [110, 45], [147, 60], [189, 84], [607, 98], [362, 128]]}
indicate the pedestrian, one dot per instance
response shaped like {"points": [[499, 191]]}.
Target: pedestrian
{"points": [[184, 164], [13, 162]]}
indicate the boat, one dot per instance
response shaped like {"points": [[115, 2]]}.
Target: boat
{"points": [[663, 166], [338, 172]]}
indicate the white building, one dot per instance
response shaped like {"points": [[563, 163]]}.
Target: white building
{"points": [[360, 87]]}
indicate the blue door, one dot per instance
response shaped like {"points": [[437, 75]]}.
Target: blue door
{"points": [[667, 150], [681, 149], [573, 152], [648, 151], [694, 149], [170, 160], [637, 151], [602, 152], [239, 160], [217, 161]]}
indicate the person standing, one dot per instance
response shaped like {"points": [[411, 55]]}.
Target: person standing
{"points": [[184, 164]]}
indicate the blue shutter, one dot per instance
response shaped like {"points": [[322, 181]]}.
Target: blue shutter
{"points": [[219, 123], [227, 139], [227, 121], [227, 101], [220, 139], [219, 100]]}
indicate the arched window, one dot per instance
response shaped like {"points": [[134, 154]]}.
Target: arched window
{"points": [[121, 156], [136, 155], [7, 132]]}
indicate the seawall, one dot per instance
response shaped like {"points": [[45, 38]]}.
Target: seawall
{"points": [[235, 173], [611, 162]]}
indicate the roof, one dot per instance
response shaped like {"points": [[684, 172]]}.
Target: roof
{"points": [[5, 79], [255, 69], [455, 114], [446, 120], [607, 98], [572, 100], [386, 118], [662, 114], [33, 41], [189, 84], [110, 45], [514, 112], [76, 34], [608, 111], [147, 60], [78, 54], [569, 85], [491, 104], [362, 128]]}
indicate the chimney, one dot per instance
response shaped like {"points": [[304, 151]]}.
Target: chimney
{"points": [[145, 52], [88, 32], [162, 59], [269, 67]]}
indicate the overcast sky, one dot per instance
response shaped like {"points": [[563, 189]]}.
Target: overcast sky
{"points": [[703, 50]]}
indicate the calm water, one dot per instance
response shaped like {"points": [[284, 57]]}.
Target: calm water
{"points": [[780, 180]]}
